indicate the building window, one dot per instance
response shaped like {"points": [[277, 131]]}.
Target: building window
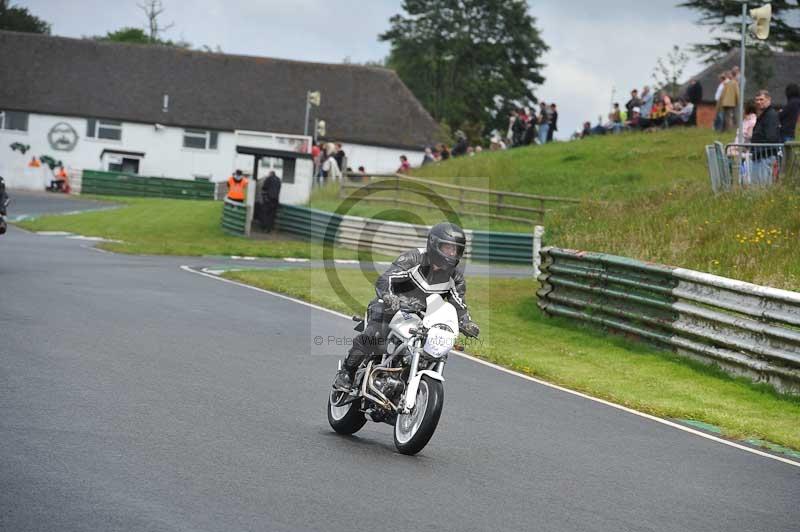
{"points": [[14, 120], [103, 129], [200, 139]]}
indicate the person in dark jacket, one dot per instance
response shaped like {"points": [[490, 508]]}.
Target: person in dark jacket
{"points": [[766, 131], [790, 113], [694, 95], [406, 284], [553, 122], [461, 145], [270, 194]]}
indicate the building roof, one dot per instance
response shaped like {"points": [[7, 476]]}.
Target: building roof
{"points": [[785, 68], [83, 77]]}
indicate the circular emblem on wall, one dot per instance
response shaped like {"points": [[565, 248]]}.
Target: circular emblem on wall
{"points": [[62, 137]]}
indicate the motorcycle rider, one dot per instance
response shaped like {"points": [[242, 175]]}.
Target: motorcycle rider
{"points": [[406, 284], [3, 205]]}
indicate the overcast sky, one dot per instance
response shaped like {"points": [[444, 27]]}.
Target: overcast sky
{"points": [[595, 45]]}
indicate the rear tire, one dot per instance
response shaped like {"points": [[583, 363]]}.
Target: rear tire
{"points": [[413, 431], [345, 419]]}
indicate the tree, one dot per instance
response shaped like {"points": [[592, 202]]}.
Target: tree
{"points": [[725, 20], [467, 61], [667, 72], [19, 19], [152, 9]]}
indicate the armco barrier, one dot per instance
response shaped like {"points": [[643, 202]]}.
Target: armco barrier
{"points": [[744, 328], [395, 237], [120, 184], [234, 218]]}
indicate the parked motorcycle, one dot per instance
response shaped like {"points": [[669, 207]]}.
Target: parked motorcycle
{"points": [[406, 387], [4, 201]]}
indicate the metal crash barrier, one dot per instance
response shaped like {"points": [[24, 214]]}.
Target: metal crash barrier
{"points": [[744, 328], [387, 237], [752, 165]]}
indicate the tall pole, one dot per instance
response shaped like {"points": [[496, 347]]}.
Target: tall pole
{"points": [[740, 136], [308, 109]]}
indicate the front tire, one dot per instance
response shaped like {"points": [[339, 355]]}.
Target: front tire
{"points": [[345, 419], [413, 431]]}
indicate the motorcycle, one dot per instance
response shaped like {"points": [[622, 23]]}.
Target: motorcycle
{"points": [[4, 201], [406, 387]]}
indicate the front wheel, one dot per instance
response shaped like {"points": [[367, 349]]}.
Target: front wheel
{"points": [[346, 419], [413, 431]]}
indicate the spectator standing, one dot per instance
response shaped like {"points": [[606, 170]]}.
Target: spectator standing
{"points": [[405, 166], [444, 153], [635, 101], [34, 163], [544, 122], [553, 122], [237, 187], [749, 122], [339, 155], [729, 101], [694, 95], [646, 108], [789, 114], [331, 169], [718, 117], [766, 131], [270, 195]]}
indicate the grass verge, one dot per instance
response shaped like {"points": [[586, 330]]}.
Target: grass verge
{"points": [[517, 335], [173, 227]]}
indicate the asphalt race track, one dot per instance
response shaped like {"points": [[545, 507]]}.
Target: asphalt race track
{"points": [[135, 395]]}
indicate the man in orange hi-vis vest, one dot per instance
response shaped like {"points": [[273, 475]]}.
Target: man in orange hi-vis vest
{"points": [[237, 186]]}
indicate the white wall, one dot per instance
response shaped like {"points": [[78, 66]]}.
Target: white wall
{"points": [[165, 155], [376, 160]]}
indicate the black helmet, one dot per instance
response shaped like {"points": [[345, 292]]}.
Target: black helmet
{"points": [[440, 237]]}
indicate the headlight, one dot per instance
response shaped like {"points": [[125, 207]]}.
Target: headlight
{"points": [[439, 341]]}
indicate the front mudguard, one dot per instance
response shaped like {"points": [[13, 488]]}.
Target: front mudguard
{"points": [[410, 398]]}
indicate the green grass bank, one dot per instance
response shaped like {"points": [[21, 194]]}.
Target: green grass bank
{"points": [[645, 196]]}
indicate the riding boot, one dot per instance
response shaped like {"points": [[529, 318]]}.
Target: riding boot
{"points": [[344, 379]]}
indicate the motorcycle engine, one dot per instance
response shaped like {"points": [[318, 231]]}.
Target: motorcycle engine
{"points": [[389, 385]]}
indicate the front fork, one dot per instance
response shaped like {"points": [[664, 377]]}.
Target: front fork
{"points": [[414, 376]]}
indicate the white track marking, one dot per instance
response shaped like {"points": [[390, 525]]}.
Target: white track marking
{"points": [[527, 377], [292, 259], [54, 233]]}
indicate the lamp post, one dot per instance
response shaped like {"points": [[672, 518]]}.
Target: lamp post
{"points": [[742, 80], [312, 98], [761, 17]]}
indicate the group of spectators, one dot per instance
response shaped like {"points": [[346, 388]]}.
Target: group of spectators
{"points": [[329, 161], [526, 127], [649, 110]]}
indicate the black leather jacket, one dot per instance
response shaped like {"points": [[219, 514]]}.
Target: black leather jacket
{"points": [[411, 275]]}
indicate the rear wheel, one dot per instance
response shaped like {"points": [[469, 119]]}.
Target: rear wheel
{"points": [[414, 430], [344, 419]]}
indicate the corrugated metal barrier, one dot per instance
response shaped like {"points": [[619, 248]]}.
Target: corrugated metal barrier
{"points": [[749, 165], [234, 218], [744, 328], [120, 184], [395, 237]]}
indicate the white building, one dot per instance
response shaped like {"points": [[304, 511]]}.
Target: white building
{"points": [[162, 111]]}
